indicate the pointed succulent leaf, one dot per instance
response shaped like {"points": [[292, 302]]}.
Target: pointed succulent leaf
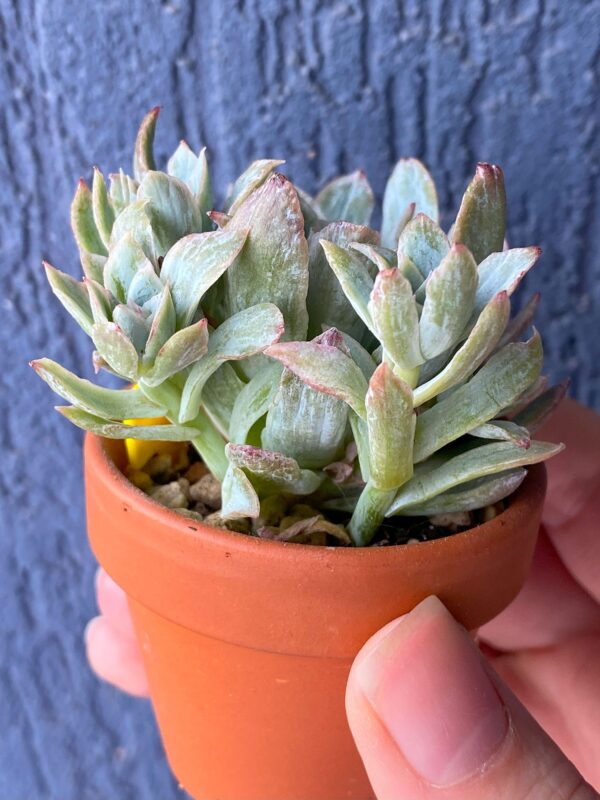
{"points": [[272, 471], [219, 396], [135, 222], [82, 221], [116, 349], [324, 368], [118, 430], [145, 285], [102, 301], [395, 319], [253, 402], [123, 190], [115, 404], [327, 304], [195, 263], [497, 384], [310, 211], [354, 278], [391, 427], [521, 322], [348, 198], [449, 301], [174, 211], [424, 242], [253, 177], [134, 323], [273, 265], [409, 183], [307, 425], [478, 462], [480, 344], [241, 336], [193, 171], [92, 265], [182, 350], [143, 155], [481, 220], [239, 498], [162, 327], [382, 257], [126, 258], [503, 430], [469, 496], [104, 215], [538, 411], [72, 294], [503, 271]]}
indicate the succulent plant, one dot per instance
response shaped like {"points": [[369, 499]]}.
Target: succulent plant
{"points": [[302, 353]]}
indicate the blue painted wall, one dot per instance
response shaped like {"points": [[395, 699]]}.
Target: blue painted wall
{"points": [[330, 86]]}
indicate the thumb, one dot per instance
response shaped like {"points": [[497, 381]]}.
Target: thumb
{"points": [[432, 720]]}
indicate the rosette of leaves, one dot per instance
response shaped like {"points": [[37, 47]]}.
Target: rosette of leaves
{"points": [[309, 358]]}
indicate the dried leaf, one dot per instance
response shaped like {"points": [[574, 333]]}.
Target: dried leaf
{"points": [[272, 471]]}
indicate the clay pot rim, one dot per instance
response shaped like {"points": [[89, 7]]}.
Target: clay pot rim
{"points": [[186, 528]]}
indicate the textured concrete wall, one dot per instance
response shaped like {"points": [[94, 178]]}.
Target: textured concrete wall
{"points": [[330, 86]]}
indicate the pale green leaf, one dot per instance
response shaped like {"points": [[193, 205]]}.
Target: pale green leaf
{"points": [[424, 242], [174, 212], [503, 272], [241, 336], [104, 215], [391, 427], [393, 311], [497, 384], [219, 396], [143, 156], [382, 257], [503, 430], [449, 301], [478, 462], [162, 327], [82, 221], [193, 171], [135, 222], [126, 258], [116, 349], [123, 190], [134, 323], [356, 282], [182, 350], [116, 430], [239, 498], [369, 513], [348, 198], [481, 220], [195, 263], [72, 294], [145, 286], [253, 402], [115, 404], [249, 181], [409, 183]]}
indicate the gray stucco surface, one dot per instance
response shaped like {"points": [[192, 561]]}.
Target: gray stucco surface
{"points": [[330, 86]]}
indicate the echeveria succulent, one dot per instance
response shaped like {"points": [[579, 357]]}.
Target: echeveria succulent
{"points": [[300, 351]]}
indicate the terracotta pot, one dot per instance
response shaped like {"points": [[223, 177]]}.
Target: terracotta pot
{"points": [[248, 643]]}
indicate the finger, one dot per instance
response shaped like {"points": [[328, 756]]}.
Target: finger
{"points": [[561, 688], [112, 602], [432, 721], [572, 505], [115, 657], [526, 623]]}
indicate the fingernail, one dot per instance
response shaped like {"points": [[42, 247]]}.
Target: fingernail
{"points": [[87, 631], [424, 678]]}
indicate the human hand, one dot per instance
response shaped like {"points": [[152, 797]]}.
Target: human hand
{"points": [[425, 708]]}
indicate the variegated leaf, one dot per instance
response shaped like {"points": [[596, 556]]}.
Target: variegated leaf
{"points": [[409, 183], [253, 177], [348, 198], [481, 220], [478, 462], [182, 350], [395, 319], [143, 156], [497, 384], [424, 242], [391, 427], [273, 265], [327, 304], [115, 404], [241, 336], [449, 301], [195, 263], [480, 344]]}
